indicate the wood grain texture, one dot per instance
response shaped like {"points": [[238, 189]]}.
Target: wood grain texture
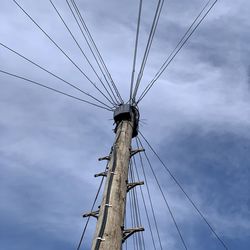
{"points": [[111, 219]]}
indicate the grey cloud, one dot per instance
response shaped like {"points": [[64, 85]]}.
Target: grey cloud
{"points": [[197, 117]]}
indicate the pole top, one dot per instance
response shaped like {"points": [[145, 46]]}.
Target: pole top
{"points": [[125, 112]]}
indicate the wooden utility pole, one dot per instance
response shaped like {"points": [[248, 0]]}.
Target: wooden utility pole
{"points": [[110, 232]]}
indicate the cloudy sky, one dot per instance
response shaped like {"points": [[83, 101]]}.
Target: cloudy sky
{"points": [[196, 117]]}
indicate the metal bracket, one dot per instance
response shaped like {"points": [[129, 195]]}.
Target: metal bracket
{"points": [[100, 238], [134, 184], [108, 205], [107, 158], [128, 232], [93, 214], [102, 174], [135, 151]]}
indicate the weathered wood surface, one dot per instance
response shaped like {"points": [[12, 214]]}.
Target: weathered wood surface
{"points": [[111, 216]]}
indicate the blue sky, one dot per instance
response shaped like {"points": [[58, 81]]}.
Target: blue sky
{"points": [[196, 117]]}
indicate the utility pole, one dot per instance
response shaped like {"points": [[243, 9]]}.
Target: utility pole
{"points": [[110, 232]]}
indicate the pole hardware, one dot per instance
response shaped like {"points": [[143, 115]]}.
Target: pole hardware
{"points": [[104, 174], [100, 238], [108, 205], [107, 158], [128, 232], [125, 112], [94, 214], [136, 151], [134, 184]]}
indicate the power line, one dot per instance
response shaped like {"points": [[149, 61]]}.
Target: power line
{"points": [[133, 208], [137, 208], [176, 50], [80, 48], [89, 45], [135, 243], [64, 53], [145, 207], [49, 72], [149, 196], [55, 90], [164, 198], [141, 234], [184, 192], [136, 47], [91, 40], [97, 50], [149, 44], [126, 243], [87, 222], [186, 33]]}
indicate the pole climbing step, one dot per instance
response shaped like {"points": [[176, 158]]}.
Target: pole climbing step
{"points": [[103, 174], [130, 231], [134, 184], [136, 151], [94, 214], [107, 158]]}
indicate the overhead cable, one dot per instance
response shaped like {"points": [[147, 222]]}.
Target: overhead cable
{"points": [[184, 192], [80, 48], [137, 208], [136, 48], [92, 208], [56, 76], [89, 45], [145, 207], [55, 90], [164, 198], [132, 218], [179, 46], [96, 49], [148, 47], [149, 197], [89, 41], [64, 53], [133, 211]]}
